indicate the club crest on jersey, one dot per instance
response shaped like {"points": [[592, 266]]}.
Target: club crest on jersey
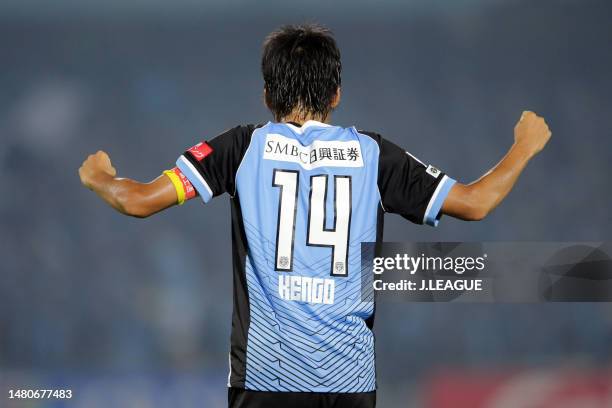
{"points": [[200, 151], [318, 154], [283, 262]]}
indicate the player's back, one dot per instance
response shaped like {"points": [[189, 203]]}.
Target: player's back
{"points": [[308, 198]]}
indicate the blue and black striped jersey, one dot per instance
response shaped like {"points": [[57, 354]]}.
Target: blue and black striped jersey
{"points": [[303, 200]]}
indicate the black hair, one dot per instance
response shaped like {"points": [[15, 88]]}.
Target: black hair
{"points": [[301, 69]]}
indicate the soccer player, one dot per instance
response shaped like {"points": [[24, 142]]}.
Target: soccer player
{"points": [[304, 194]]}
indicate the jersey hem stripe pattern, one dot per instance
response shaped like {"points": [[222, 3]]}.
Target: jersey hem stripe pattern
{"points": [[195, 177], [432, 213]]}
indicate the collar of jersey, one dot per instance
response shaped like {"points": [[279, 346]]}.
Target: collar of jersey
{"points": [[306, 125]]}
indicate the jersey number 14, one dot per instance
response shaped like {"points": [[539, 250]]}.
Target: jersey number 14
{"points": [[336, 238]]}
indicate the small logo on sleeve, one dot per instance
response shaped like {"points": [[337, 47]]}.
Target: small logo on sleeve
{"points": [[432, 171], [200, 151]]}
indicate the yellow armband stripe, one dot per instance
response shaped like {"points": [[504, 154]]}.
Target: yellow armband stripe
{"points": [[178, 186]]}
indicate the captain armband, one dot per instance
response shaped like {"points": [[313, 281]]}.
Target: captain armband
{"points": [[184, 189]]}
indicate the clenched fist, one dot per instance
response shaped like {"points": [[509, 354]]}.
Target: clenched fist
{"points": [[531, 132], [94, 166]]}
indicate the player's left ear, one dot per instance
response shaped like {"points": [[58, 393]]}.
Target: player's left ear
{"points": [[336, 99]]}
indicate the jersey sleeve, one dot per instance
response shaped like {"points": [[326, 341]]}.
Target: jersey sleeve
{"points": [[211, 166], [410, 188]]}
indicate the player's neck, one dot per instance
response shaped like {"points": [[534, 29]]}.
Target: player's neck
{"points": [[301, 118]]}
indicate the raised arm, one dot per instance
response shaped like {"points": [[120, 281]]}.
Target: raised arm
{"points": [[124, 195], [474, 201]]}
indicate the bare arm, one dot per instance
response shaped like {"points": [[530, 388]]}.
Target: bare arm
{"points": [[124, 195], [475, 200]]}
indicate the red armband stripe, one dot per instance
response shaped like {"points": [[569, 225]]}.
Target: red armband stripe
{"points": [[187, 187]]}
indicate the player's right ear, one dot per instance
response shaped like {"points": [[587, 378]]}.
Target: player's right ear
{"points": [[265, 98]]}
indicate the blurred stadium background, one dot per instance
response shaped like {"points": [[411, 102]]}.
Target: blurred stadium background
{"points": [[133, 313]]}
